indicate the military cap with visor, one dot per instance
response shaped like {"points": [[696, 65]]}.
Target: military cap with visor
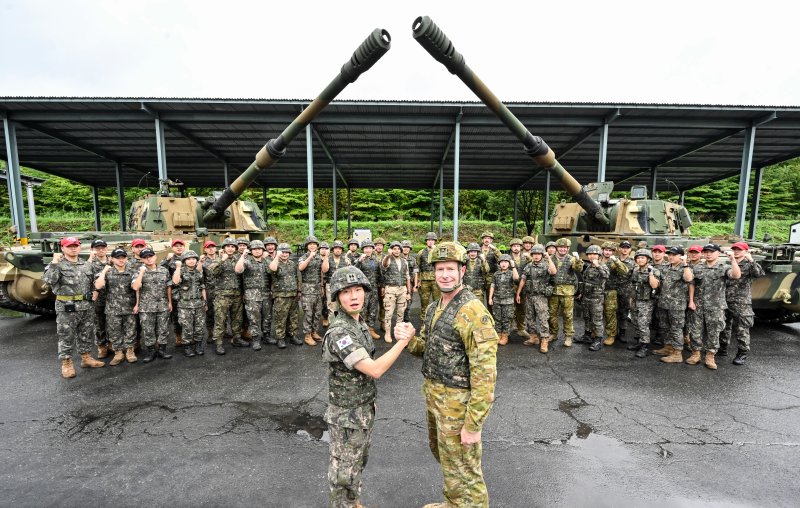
{"points": [[177, 241], [209, 243], [675, 249], [119, 252], [138, 242], [740, 246], [713, 247], [99, 242], [146, 253], [70, 240]]}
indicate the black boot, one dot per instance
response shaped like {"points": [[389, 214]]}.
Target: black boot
{"points": [[585, 339], [161, 351], [741, 357], [621, 336], [188, 350], [723, 349], [281, 343], [256, 344], [633, 346], [199, 348], [297, 341], [220, 350], [642, 352], [597, 344], [149, 355], [239, 342], [270, 341]]}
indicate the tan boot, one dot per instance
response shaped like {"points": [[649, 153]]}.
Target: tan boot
{"points": [[309, 340], [543, 347], [118, 357], [522, 333], [130, 356], [502, 338], [711, 362], [665, 351], [533, 340], [102, 351], [567, 341], [325, 322], [67, 368], [316, 336], [674, 357], [609, 341], [694, 359], [375, 335], [88, 361], [387, 338]]}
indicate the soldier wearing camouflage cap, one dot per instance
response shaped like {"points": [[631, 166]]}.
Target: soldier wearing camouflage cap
{"points": [[501, 296], [286, 290], [476, 270], [348, 350], [618, 275], [396, 287], [458, 344], [178, 248], [533, 291], [673, 299], [313, 265], [562, 302], [325, 251], [428, 291], [208, 257], [188, 276], [253, 266]]}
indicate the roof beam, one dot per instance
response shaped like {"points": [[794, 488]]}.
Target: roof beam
{"points": [[329, 154], [183, 132], [446, 152], [777, 159], [713, 179]]}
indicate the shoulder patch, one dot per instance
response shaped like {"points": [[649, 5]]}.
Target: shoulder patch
{"points": [[344, 342], [485, 320]]}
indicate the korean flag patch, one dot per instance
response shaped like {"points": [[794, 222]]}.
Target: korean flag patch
{"points": [[344, 342]]}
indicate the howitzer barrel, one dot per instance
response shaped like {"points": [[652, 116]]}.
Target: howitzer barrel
{"points": [[435, 42], [364, 57]]}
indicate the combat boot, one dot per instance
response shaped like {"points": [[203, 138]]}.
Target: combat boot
{"points": [[388, 338], [567, 341], [297, 341], [188, 350], [609, 341], [237, 342], [502, 338], [256, 344], [102, 351], [597, 344], [642, 352], [199, 348], [543, 345], [271, 341], [711, 363], [309, 340], [675, 357], [161, 351], [633, 346], [67, 368], [88, 361], [723, 349], [522, 333], [130, 355], [281, 343], [246, 334], [220, 350], [621, 336], [741, 357], [586, 338], [695, 358], [325, 322], [533, 340], [150, 355], [316, 336], [118, 357], [665, 351], [375, 335]]}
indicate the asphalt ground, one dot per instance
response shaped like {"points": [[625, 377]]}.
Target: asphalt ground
{"points": [[571, 428]]}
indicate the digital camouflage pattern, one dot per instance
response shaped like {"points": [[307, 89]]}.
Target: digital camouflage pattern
{"points": [[72, 280], [210, 293], [370, 266], [643, 301], [349, 452], [536, 281], [191, 311], [169, 264], [311, 289], [709, 296], [286, 286], [503, 300], [739, 315], [624, 296], [618, 272], [594, 279], [257, 296], [154, 306], [120, 300], [100, 326], [672, 303], [475, 275]]}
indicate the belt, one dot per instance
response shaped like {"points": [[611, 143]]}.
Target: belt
{"points": [[70, 298]]}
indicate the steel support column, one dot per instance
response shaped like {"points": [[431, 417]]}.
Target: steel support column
{"points": [[264, 203], [225, 173], [348, 215], [335, 204], [603, 153], [310, 178], [96, 206], [13, 180], [161, 149], [744, 180], [682, 198], [120, 197], [31, 208], [441, 199], [456, 170], [516, 205], [432, 207], [756, 200], [653, 181], [546, 202]]}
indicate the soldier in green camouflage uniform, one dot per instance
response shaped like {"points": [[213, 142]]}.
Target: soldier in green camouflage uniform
{"points": [[153, 303], [286, 286], [352, 251], [114, 282], [739, 297], [71, 280], [501, 297], [709, 298], [459, 347], [99, 260], [477, 270], [561, 304], [644, 280], [428, 291], [624, 292], [535, 281], [676, 290], [520, 259], [209, 256], [395, 287], [254, 268], [312, 266], [659, 262], [618, 272], [178, 248], [492, 256], [348, 350], [413, 274], [189, 278], [227, 296], [369, 264], [595, 275], [335, 261], [694, 255]]}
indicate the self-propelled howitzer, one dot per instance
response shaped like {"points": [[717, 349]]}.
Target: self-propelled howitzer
{"points": [[369, 52]]}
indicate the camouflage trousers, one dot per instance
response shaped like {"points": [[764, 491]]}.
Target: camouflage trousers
{"points": [[610, 309], [226, 305], [121, 330], [428, 292], [461, 465], [502, 313], [394, 303], [312, 312], [672, 321], [537, 315], [349, 451], [174, 316], [689, 322], [738, 322], [519, 313], [209, 310], [661, 324], [284, 312], [100, 326], [642, 317], [155, 327], [624, 309], [593, 306], [709, 326], [260, 316], [370, 310], [561, 306], [74, 328], [192, 322]]}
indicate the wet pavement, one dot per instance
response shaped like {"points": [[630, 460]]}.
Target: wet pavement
{"points": [[571, 428]]}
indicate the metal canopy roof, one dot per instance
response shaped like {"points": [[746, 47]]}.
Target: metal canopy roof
{"points": [[393, 144]]}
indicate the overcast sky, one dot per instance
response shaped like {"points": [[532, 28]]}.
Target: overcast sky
{"points": [[639, 51]]}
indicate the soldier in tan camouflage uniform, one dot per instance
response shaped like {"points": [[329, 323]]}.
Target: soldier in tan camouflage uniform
{"points": [[476, 271], [312, 266], [153, 288], [535, 281], [71, 280], [562, 302], [739, 297], [352, 371], [227, 296], [99, 260], [501, 297], [114, 282], [428, 291], [618, 273], [286, 286], [189, 278], [458, 343], [396, 287]]}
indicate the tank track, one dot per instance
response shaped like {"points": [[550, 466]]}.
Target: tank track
{"points": [[777, 316], [7, 302]]}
